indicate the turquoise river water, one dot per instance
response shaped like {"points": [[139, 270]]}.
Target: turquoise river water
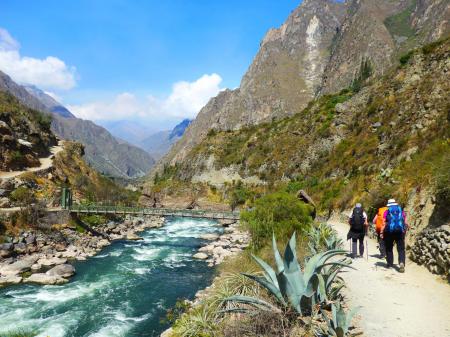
{"points": [[123, 291]]}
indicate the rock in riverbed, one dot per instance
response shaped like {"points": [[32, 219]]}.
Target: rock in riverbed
{"points": [[17, 267], [210, 237], [200, 256], [63, 270], [8, 280], [41, 278]]}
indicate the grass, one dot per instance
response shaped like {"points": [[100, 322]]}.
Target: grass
{"points": [[399, 24]]}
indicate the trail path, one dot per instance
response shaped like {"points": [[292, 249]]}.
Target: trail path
{"points": [[415, 303], [45, 164]]}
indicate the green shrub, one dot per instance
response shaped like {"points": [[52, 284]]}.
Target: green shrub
{"points": [[404, 59], [239, 195], [280, 213], [22, 195], [93, 219], [16, 156]]}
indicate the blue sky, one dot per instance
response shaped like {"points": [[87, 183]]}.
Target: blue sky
{"points": [[137, 49]]}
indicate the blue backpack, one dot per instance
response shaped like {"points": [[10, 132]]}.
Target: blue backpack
{"points": [[394, 220]]}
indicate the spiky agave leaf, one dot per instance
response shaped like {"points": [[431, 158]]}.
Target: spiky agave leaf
{"points": [[271, 288], [269, 273], [254, 302], [292, 276], [276, 254]]}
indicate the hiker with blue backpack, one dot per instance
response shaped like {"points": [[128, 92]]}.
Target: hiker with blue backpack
{"points": [[394, 231]]}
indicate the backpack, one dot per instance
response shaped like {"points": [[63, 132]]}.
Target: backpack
{"points": [[380, 219], [357, 221], [394, 220]]}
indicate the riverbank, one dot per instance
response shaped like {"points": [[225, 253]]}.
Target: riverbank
{"points": [[230, 243], [125, 290], [44, 257]]}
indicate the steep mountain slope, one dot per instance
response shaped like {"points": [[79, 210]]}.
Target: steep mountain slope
{"points": [[160, 143], [24, 134], [389, 139], [103, 151], [322, 48], [378, 32], [50, 103]]}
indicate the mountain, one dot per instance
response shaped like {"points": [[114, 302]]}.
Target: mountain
{"points": [[50, 103], [130, 131], [104, 152], [25, 134], [388, 139], [323, 47], [160, 143]]}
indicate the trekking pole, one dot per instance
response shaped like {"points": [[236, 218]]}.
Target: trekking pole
{"points": [[367, 243], [367, 249]]}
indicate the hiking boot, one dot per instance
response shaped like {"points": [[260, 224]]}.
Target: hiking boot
{"points": [[401, 268]]}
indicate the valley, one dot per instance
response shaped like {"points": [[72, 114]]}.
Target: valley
{"points": [[222, 210]]}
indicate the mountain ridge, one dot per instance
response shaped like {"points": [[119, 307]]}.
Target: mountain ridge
{"points": [[102, 150], [320, 49]]}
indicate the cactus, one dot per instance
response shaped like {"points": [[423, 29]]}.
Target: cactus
{"points": [[289, 286]]}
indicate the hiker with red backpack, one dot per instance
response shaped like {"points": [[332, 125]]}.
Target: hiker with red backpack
{"points": [[394, 231], [358, 228], [378, 222]]}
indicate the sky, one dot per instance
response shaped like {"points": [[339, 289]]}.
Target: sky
{"points": [[152, 62]]}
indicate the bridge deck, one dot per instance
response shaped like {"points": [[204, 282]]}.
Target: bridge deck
{"points": [[154, 211]]}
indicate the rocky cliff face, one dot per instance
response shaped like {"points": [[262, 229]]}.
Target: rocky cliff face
{"points": [[318, 50], [378, 32], [104, 152], [25, 134]]}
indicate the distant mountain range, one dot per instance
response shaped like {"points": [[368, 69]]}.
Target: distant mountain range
{"points": [[158, 144], [103, 151]]}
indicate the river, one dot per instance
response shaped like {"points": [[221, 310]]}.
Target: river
{"points": [[123, 291]]}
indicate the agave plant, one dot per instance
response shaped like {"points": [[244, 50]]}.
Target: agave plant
{"points": [[323, 237], [339, 324], [290, 286]]}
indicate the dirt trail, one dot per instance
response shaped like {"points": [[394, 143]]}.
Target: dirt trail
{"points": [[45, 164], [415, 303]]}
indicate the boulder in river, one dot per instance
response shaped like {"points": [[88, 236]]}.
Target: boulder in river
{"points": [[17, 267], [133, 236], [52, 261], [10, 279], [42, 278], [210, 236], [200, 256], [63, 270]]}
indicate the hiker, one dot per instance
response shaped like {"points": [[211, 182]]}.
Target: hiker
{"points": [[358, 226], [378, 222], [394, 231]]}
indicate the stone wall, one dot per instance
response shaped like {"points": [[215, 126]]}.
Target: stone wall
{"points": [[432, 249]]}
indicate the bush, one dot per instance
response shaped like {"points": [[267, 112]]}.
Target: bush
{"points": [[22, 195], [280, 213], [404, 59], [239, 195]]}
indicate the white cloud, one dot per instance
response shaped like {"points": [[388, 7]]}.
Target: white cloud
{"points": [[47, 73], [185, 101]]}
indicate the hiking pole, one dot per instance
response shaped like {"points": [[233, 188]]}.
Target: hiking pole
{"points": [[367, 248], [367, 243]]}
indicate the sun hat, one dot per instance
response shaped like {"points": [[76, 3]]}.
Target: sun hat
{"points": [[391, 202]]}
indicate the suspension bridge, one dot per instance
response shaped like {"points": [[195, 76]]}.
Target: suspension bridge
{"points": [[66, 204]]}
